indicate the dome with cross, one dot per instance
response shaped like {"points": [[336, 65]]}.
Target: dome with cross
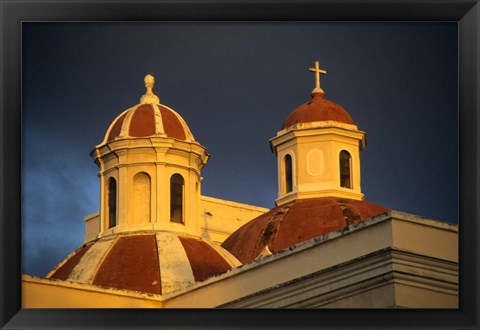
{"points": [[318, 108], [318, 155]]}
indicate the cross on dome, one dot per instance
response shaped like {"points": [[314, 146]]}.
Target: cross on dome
{"points": [[149, 97], [317, 71]]}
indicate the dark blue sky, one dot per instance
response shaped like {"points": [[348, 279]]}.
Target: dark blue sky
{"points": [[234, 84]]}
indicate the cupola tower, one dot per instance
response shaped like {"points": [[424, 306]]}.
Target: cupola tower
{"points": [[318, 163], [149, 170], [147, 235], [318, 150]]}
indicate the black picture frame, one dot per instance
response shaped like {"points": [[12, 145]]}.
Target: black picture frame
{"points": [[466, 13]]}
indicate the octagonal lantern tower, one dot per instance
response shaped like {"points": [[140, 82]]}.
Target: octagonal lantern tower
{"points": [[149, 170]]}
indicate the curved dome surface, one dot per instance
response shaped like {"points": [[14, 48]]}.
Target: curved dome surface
{"points": [[147, 120], [295, 222], [158, 262], [318, 109]]}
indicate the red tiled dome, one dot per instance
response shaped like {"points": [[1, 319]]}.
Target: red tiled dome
{"points": [[296, 222], [146, 120], [318, 109], [149, 119], [155, 263]]}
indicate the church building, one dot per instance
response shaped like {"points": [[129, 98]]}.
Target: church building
{"points": [[157, 242]]}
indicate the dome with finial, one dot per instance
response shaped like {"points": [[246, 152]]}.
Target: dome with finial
{"points": [[318, 108], [149, 118], [147, 236]]}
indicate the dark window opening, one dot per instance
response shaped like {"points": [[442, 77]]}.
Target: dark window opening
{"points": [[112, 203], [176, 198], [288, 173], [345, 170]]}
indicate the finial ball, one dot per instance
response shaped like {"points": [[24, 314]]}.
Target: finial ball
{"points": [[149, 80], [149, 97]]}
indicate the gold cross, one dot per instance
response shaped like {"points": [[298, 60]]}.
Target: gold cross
{"points": [[317, 71]]}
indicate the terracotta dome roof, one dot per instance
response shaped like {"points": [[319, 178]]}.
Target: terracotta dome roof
{"points": [[318, 109], [158, 262], [295, 222], [146, 120]]}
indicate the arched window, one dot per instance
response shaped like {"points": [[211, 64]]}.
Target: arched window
{"points": [[176, 198], [141, 198], [287, 170], [112, 203], [345, 169]]}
